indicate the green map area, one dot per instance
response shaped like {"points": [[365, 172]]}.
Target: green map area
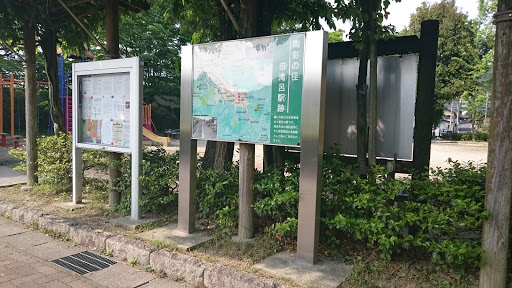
{"points": [[249, 90]]}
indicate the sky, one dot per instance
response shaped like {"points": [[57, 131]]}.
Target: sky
{"points": [[400, 13]]}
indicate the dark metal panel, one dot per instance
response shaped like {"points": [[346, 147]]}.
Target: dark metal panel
{"points": [[396, 46], [395, 113]]}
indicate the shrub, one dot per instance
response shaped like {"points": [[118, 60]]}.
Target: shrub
{"points": [[457, 136], [54, 160], [442, 216], [466, 136], [482, 136], [217, 196], [363, 207], [277, 195], [158, 181]]}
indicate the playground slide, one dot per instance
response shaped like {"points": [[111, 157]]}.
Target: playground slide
{"points": [[166, 141]]}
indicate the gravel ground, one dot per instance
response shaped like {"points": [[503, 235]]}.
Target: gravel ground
{"points": [[461, 151]]}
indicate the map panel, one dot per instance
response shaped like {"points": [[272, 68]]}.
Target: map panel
{"points": [[249, 90]]}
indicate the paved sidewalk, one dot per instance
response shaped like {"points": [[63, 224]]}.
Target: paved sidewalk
{"points": [[9, 177], [25, 257]]}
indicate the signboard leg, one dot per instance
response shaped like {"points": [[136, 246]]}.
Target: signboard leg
{"points": [[246, 195], [312, 135], [187, 190], [188, 149], [136, 212], [77, 175]]}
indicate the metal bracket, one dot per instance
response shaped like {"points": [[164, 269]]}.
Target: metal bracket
{"points": [[502, 16]]}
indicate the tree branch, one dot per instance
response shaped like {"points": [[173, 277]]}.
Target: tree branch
{"points": [[12, 50], [232, 18], [83, 26]]}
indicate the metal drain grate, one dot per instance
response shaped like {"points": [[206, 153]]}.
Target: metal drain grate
{"points": [[84, 262]]}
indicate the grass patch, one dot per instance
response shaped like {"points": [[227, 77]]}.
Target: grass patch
{"points": [[163, 245], [56, 235], [222, 246]]}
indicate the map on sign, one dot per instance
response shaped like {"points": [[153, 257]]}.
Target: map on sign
{"points": [[249, 90]]}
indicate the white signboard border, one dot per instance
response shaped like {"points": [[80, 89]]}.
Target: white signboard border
{"points": [[133, 67]]}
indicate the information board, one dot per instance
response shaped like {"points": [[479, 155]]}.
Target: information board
{"points": [[107, 116], [249, 90], [105, 109]]}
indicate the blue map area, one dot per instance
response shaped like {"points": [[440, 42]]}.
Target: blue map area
{"points": [[233, 91]]}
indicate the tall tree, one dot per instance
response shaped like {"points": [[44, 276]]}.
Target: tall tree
{"points": [[456, 33], [476, 62], [21, 16], [498, 185], [49, 47], [29, 43], [366, 17], [158, 41], [52, 23]]}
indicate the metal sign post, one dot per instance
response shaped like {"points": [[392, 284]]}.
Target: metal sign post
{"points": [[312, 138]]}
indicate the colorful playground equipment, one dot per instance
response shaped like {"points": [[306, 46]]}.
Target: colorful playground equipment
{"points": [[14, 139], [10, 82], [148, 126]]}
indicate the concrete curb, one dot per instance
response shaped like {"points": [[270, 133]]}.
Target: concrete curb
{"points": [[176, 265], [220, 276], [126, 248], [96, 239]]}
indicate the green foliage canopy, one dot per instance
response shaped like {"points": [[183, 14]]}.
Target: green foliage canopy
{"points": [[455, 35]]}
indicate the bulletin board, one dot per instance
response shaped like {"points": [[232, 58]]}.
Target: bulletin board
{"points": [[107, 103], [107, 115], [104, 103]]}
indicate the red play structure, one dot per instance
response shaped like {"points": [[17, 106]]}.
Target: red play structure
{"points": [[4, 136]]}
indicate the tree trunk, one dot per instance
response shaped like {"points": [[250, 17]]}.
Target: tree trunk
{"points": [[278, 156], [368, 29], [362, 122], [473, 125], [49, 47], [268, 157], [498, 185], [226, 27], [112, 28], [29, 38], [372, 130], [223, 155], [209, 155], [112, 36]]}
